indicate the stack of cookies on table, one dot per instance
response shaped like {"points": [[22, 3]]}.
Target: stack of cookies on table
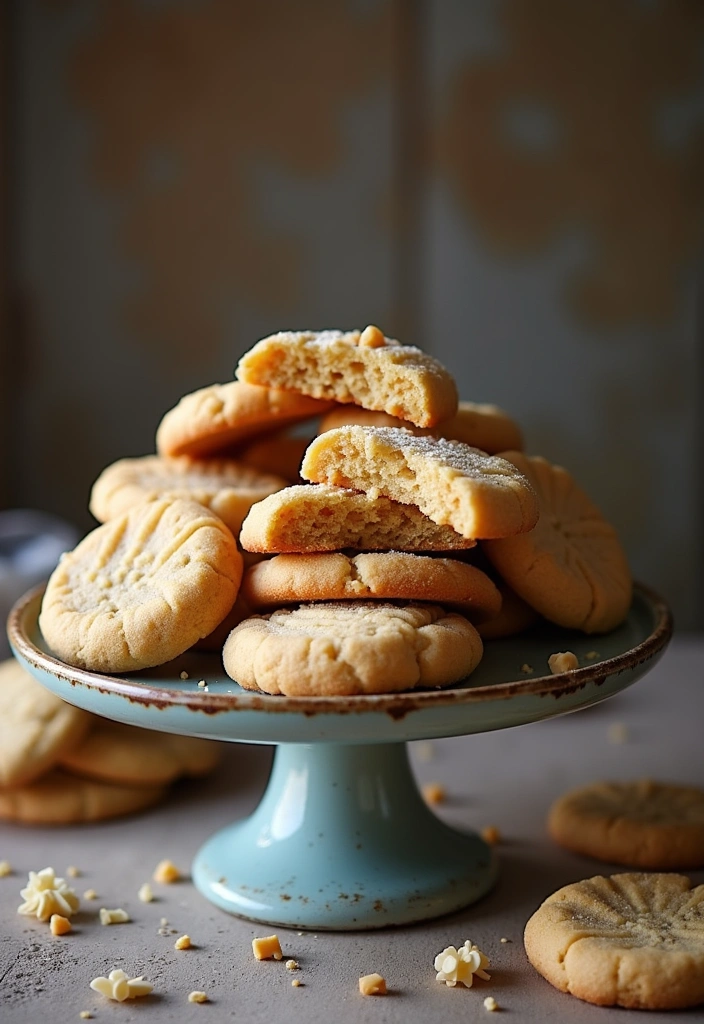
{"points": [[422, 528], [63, 766]]}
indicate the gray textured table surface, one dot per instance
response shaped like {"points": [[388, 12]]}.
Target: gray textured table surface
{"points": [[507, 779]]}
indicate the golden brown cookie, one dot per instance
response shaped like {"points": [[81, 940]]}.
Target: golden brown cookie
{"points": [[141, 589], [227, 488], [385, 575], [479, 425], [643, 824], [123, 754], [355, 647], [35, 726], [62, 799], [362, 367], [478, 495], [631, 940], [513, 617], [281, 455], [217, 419], [317, 517], [571, 567]]}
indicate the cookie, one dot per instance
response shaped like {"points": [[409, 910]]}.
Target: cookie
{"points": [[317, 517], [631, 940], [62, 799], [386, 575], [123, 754], [571, 567], [35, 726], [478, 495], [217, 419], [643, 824], [362, 367], [481, 426], [214, 641], [141, 589], [281, 455], [513, 617], [346, 648], [227, 488]]}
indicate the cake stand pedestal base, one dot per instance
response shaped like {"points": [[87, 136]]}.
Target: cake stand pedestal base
{"points": [[342, 840]]}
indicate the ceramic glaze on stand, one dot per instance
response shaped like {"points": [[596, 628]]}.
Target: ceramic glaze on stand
{"points": [[342, 839]]}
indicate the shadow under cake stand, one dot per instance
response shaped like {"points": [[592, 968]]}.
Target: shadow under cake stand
{"points": [[342, 838]]}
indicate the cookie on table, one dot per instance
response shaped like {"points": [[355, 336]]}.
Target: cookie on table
{"points": [[362, 367], [478, 495], [226, 487], [630, 940], [480, 425], [317, 517], [571, 567], [222, 417], [385, 575], [280, 454], [643, 824], [123, 754], [35, 726], [59, 798], [347, 648], [141, 589]]}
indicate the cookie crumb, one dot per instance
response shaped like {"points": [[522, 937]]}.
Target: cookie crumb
{"points": [[197, 997], [526, 668], [116, 916], [297, 983], [618, 733], [504, 940], [72, 871], [201, 683], [292, 965], [491, 835], [372, 985], [490, 1003], [183, 943], [183, 675], [5, 868], [434, 793], [59, 925], [166, 872], [372, 337], [85, 1015], [591, 655], [144, 893], [90, 894], [267, 948], [563, 661]]}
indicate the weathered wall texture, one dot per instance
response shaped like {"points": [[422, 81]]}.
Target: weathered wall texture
{"points": [[515, 186]]}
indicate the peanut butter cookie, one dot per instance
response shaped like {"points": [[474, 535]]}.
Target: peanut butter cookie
{"points": [[356, 647], [141, 589], [62, 799], [363, 367]]}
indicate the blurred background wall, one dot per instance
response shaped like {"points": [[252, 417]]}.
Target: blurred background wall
{"points": [[514, 185]]}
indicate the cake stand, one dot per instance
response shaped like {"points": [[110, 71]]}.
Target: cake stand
{"points": [[342, 838]]}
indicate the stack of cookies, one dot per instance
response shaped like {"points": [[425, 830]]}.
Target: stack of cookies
{"points": [[421, 526], [62, 766]]}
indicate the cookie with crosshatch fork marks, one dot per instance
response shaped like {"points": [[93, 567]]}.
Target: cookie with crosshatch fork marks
{"points": [[362, 367], [141, 589], [478, 495]]}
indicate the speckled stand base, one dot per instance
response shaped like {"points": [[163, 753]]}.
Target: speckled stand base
{"points": [[342, 840]]}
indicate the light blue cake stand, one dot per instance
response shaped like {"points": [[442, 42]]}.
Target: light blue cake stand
{"points": [[342, 838]]}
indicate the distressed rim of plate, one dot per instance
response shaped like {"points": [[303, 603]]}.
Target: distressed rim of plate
{"points": [[390, 703]]}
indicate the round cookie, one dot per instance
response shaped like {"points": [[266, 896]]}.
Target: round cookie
{"points": [[643, 824], [221, 417], [478, 495], [346, 648], [62, 799], [123, 754], [35, 726], [141, 589], [386, 575], [513, 617], [317, 517], [571, 567], [363, 367], [281, 455], [227, 488], [630, 940], [479, 425]]}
